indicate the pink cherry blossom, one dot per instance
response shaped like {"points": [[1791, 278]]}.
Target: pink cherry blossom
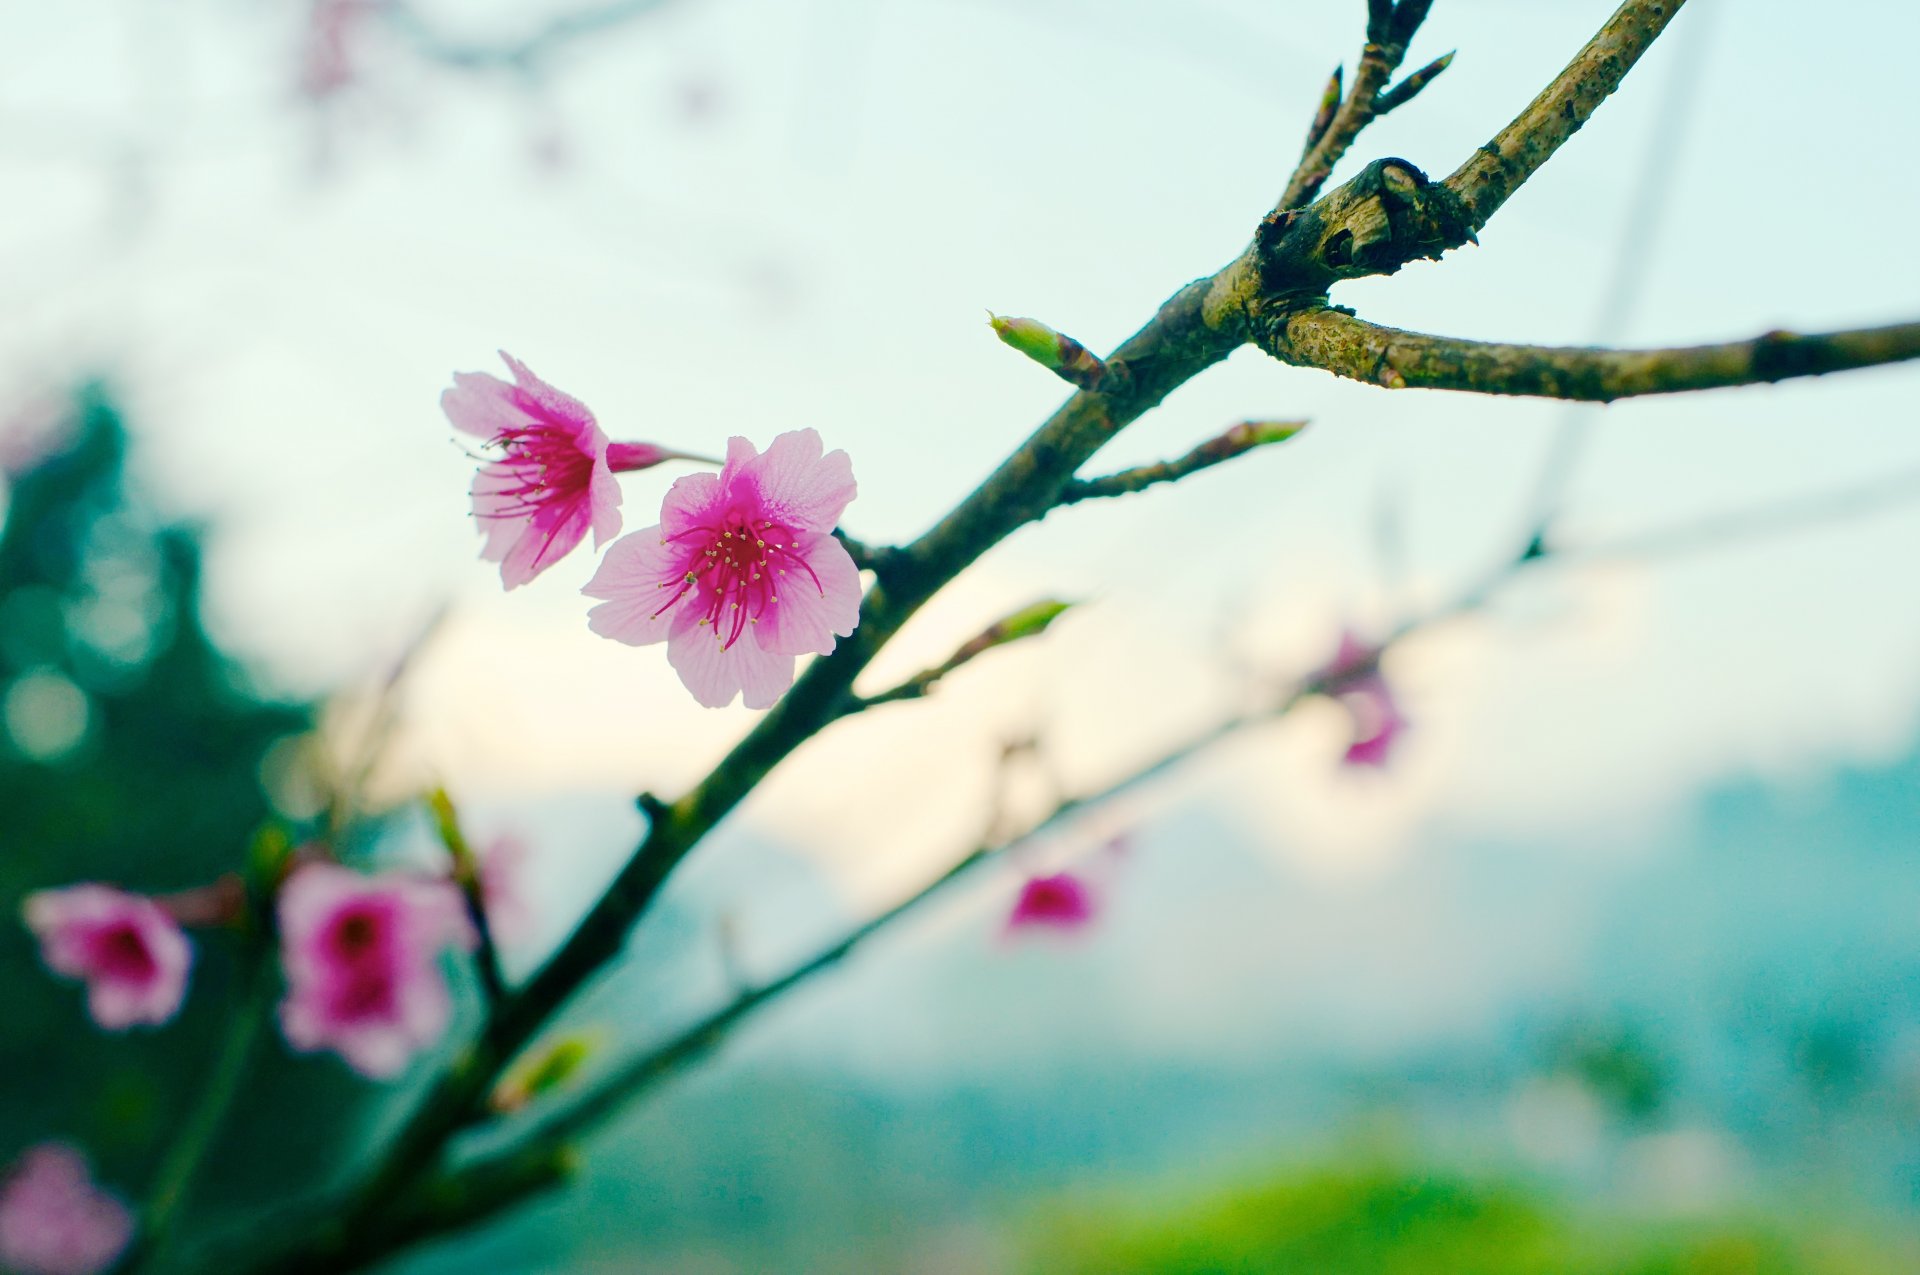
{"points": [[327, 63], [504, 866], [553, 478], [1062, 901], [54, 1220], [743, 573], [131, 954], [1353, 676], [361, 955]]}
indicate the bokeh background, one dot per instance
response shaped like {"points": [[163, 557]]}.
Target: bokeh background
{"points": [[1614, 968]]}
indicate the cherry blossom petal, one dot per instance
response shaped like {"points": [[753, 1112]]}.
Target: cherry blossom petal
{"points": [[798, 485], [809, 615]]}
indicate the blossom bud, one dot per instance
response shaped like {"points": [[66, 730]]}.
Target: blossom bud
{"points": [[1065, 357], [1405, 91], [1329, 104], [1248, 435], [1028, 621], [546, 1072]]}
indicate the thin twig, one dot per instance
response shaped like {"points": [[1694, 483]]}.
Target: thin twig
{"points": [[526, 53], [1238, 441], [174, 1180], [1634, 257], [467, 876], [1388, 33]]}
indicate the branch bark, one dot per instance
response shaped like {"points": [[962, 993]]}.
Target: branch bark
{"points": [[1238, 441], [1348, 346], [1501, 166]]}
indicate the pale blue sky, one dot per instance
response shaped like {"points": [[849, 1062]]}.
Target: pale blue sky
{"points": [[819, 248]]}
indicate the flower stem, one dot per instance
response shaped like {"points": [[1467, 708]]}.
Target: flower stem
{"points": [[173, 1182]]}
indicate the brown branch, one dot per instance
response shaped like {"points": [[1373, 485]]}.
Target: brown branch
{"points": [[1390, 28], [1238, 441], [1339, 342], [1499, 167]]}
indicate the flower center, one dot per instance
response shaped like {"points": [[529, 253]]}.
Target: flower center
{"points": [[540, 465], [737, 570], [123, 953]]}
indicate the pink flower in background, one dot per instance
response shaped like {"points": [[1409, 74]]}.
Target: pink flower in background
{"points": [[1353, 676], [503, 888], [743, 573], [553, 478], [361, 955], [54, 1220], [1377, 724], [326, 50], [1062, 901], [130, 953]]}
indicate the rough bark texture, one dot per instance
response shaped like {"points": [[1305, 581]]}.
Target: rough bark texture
{"points": [[1341, 343], [1498, 168]]}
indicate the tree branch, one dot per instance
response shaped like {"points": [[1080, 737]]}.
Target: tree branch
{"points": [[1339, 342], [1501, 166], [1389, 30], [1238, 441]]}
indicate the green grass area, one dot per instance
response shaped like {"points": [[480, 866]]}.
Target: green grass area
{"points": [[1390, 1220]]}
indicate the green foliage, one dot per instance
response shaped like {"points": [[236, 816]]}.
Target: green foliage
{"points": [[1388, 1220], [1618, 1063], [130, 752]]}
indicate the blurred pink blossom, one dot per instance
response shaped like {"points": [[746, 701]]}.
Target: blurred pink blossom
{"points": [[553, 478], [54, 1220], [743, 573], [361, 955], [503, 888], [1353, 676], [33, 430], [1062, 901], [130, 953], [327, 45]]}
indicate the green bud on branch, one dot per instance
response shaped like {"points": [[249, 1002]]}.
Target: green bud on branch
{"points": [[269, 857], [1239, 440], [1057, 352], [1406, 90], [1329, 105], [446, 822], [1028, 622], [545, 1073]]}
